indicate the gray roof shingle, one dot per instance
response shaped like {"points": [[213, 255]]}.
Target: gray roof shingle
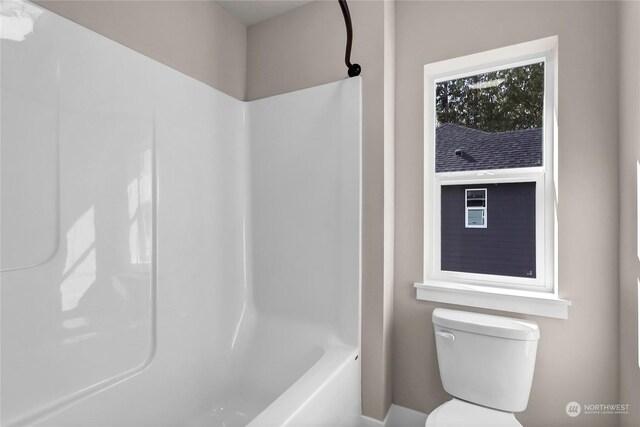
{"points": [[486, 150]]}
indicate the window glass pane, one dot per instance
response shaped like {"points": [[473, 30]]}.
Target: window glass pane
{"points": [[476, 217], [506, 247], [476, 194], [490, 120], [476, 198]]}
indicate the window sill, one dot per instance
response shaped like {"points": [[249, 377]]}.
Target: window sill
{"points": [[525, 302]]}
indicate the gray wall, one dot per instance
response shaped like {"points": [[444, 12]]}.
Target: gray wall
{"points": [[197, 38], [578, 358], [629, 192], [303, 48]]}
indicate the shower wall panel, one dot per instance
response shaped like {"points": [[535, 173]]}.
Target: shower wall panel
{"points": [[305, 194], [122, 227], [77, 215]]}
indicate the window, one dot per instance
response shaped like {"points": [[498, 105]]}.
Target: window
{"points": [[476, 208], [490, 136]]}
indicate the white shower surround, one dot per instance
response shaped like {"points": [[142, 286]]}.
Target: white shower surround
{"points": [[171, 255]]}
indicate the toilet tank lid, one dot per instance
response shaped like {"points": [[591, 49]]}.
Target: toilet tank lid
{"points": [[485, 324]]}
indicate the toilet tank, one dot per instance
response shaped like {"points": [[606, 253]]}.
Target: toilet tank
{"points": [[486, 359]]}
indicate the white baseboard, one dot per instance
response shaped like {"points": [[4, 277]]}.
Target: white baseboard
{"points": [[397, 416], [372, 422]]}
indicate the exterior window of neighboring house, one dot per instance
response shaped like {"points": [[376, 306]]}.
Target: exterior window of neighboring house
{"points": [[476, 208], [490, 138]]}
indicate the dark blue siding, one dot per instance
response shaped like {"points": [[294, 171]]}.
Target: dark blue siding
{"points": [[507, 247]]}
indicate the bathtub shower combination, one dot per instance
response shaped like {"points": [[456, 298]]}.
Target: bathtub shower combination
{"points": [[172, 256]]}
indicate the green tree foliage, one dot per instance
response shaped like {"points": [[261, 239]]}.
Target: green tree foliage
{"points": [[499, 101]]}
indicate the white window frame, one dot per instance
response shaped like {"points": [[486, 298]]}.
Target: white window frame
{"points": [[475, 208], [483, 287]]}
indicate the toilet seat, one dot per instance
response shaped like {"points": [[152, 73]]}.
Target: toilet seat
{"points": [[458, 413]]}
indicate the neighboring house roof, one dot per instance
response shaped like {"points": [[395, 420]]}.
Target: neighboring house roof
{"points": [[486, 150]]}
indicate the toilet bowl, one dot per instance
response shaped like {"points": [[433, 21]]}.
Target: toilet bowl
{"points": [[486, 363]]}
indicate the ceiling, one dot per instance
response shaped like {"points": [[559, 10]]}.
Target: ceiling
{"points": [[250, 12]]}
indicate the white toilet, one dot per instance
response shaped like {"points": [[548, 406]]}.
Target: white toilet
{"points": [[486, 363]]}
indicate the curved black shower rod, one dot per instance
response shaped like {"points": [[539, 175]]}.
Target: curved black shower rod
{"points": [[354, 69]]}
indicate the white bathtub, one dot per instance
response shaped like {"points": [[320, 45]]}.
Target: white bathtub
{"points": [[172, 256], [286, 378], [328, 394]]}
